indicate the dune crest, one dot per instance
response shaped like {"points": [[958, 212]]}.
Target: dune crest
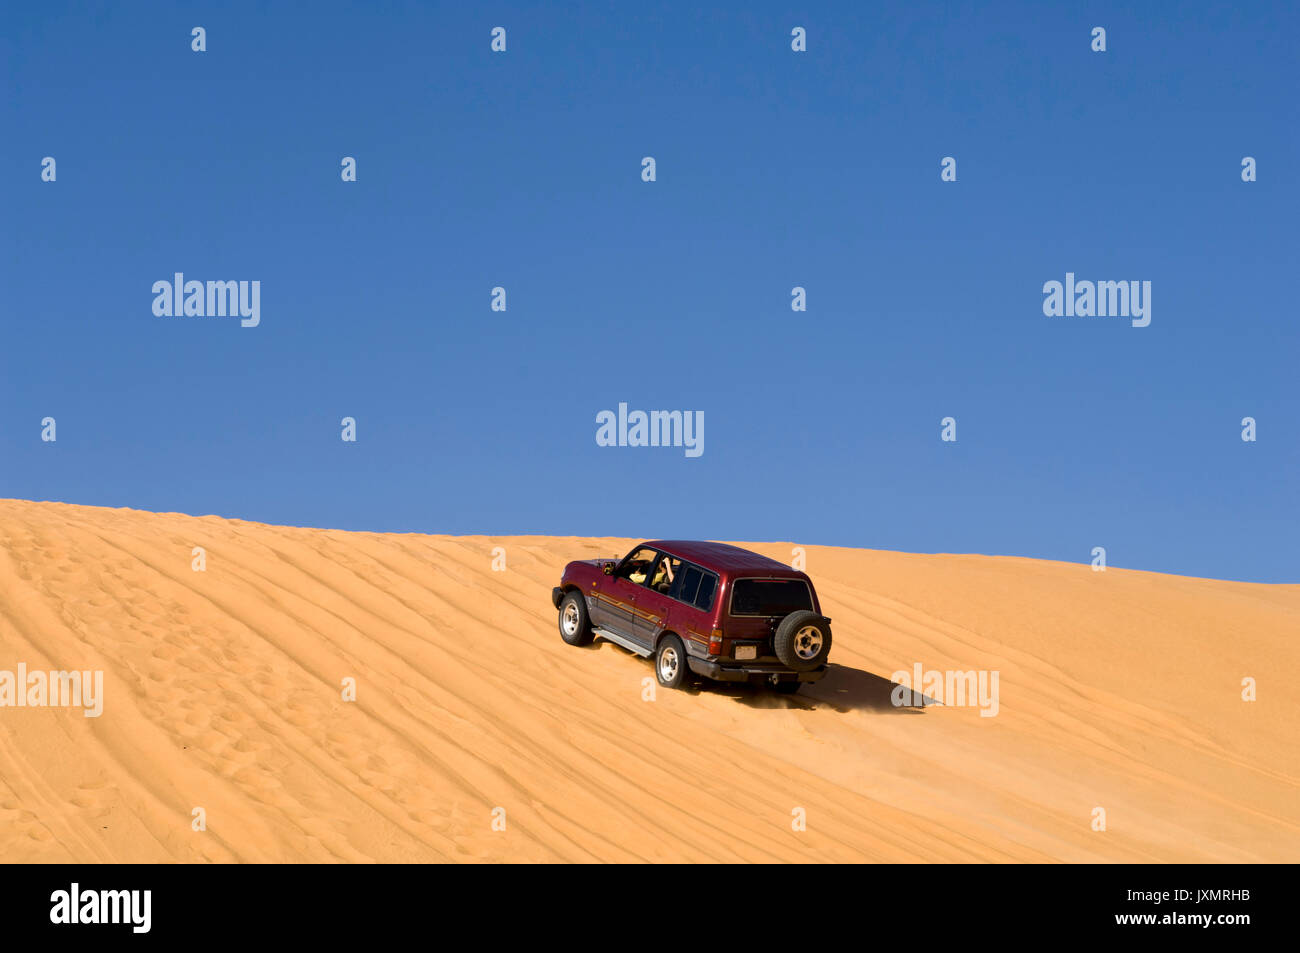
{"points": [[222, 690]]}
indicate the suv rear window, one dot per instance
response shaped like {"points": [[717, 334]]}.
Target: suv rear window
{"points": [[695, 586], [769, 597]]}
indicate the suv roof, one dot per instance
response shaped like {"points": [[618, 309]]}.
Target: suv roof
{"points": [[720, 556]]}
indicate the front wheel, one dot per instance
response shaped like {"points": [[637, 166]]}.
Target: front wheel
{"points": [[670, 662], [575, 628]]}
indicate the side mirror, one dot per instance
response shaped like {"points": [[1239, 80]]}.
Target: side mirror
{"points": [[608, 569]]}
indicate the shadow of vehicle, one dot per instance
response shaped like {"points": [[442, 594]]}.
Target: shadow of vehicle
{"points": [[844, 689]]}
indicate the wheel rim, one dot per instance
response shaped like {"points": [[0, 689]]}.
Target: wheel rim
{"points": [[570, 619], [668, 663], [808, 642]]}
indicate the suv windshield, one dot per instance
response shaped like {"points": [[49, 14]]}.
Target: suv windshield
{"points": [[773, 597]]}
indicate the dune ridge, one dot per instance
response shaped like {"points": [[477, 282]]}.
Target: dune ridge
{"points": [[1119, 689]]}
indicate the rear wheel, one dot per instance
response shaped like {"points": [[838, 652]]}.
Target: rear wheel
{"points": [[803, 640], [670, 662], [574, 626]]}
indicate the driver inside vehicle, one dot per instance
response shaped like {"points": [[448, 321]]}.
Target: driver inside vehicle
{"points": [[636, 566]]}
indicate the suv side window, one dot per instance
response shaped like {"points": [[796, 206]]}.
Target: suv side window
{"points": [[666, 573], [696, 587], [688, 583], [704, 598], [636, 567]]}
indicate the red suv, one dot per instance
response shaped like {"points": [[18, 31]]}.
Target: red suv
{"points": [[716, 610]]}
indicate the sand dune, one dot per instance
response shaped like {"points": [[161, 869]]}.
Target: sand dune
{"points": [[1119, 690]]}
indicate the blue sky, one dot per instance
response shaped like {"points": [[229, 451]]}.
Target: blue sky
{"points": [[774, 169]]}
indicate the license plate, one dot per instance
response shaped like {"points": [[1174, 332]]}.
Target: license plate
{"points": [[746, 651]]}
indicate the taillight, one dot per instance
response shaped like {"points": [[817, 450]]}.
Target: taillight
{"points": [[715, 642]]}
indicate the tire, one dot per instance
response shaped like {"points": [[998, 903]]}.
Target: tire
{"points": [[787, 688], [670, 662], [803, 641], [575, 628]]}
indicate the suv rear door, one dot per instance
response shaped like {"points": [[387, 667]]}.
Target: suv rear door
{"points": [[688, 604], [653, 605], [756, 604]]}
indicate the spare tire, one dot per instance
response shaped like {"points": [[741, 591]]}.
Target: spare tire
{"points": [[803, 640]]}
